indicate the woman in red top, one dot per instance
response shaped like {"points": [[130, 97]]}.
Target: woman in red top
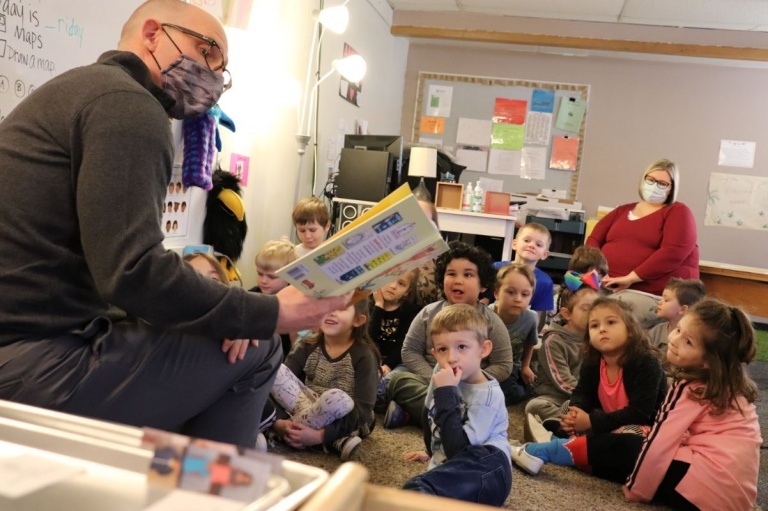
{"points": [[648, 242]]}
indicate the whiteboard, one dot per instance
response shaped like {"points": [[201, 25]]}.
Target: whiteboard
{"points": [[40, 39]]}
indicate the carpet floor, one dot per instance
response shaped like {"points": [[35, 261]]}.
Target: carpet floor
{"points": [[554, 488]]}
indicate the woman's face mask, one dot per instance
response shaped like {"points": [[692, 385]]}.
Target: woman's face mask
{"points": [[653, 193], [194, 87]]}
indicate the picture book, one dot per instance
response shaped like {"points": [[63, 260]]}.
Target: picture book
{"points": [[390, 239]]}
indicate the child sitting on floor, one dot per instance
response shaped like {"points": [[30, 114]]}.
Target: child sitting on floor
{"points": [[312, 221], [620, 389], [560, 354], [328, 385], [465, 431], [464, 272], [271, 257], [514, 288], [678, 296], [704, 449], [390, 320]]}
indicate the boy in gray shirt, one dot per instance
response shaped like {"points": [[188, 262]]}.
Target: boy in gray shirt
{"points": [[465, 425]]}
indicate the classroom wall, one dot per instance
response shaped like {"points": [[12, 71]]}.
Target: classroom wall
{"points": [[639, 111], [268, 61]]}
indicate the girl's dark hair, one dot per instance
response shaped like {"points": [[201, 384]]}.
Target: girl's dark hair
{"points": [[477, 256], [360, 333], [729, 343], [638, 344]]}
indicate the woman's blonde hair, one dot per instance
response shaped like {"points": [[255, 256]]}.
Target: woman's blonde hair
{"points": [[670, 168]]}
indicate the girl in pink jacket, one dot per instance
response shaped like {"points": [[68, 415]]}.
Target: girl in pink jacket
{"points": [[703, 451]]}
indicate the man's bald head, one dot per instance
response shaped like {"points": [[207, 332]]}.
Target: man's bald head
{"points": [[143, 33], [159, 9]]}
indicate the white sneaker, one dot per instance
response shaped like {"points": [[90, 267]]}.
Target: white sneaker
{"points": [[534, 430], [522, 459], [261, 443]]}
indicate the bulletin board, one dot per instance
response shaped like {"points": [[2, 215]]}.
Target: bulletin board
{"points": [[479, 100]]}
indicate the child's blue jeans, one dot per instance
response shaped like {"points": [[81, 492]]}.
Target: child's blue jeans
{"points": [[514, 388], [479, 473]]}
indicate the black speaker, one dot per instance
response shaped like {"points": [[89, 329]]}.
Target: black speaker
{"points": [[349, 212]]}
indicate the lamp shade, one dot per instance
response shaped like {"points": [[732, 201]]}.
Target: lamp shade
{"points": [[423, 162], [334, 19], [352, 68]]}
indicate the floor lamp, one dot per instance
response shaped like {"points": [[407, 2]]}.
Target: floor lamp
{"points": [[422, 163], [352, 68]]}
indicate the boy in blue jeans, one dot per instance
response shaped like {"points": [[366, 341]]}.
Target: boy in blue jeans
{"points": [[465, 420]]}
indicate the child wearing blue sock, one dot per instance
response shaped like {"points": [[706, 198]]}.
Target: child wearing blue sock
{"points": [[620, 388]]}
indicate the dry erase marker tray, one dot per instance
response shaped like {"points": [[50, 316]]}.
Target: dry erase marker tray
{"points": [[103, 466]]}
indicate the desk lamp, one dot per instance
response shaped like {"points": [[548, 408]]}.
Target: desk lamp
{"points": [[423, 163]]}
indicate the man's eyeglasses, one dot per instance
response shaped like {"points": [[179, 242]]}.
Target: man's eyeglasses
{"points": [[653, 181], [214, 57]]}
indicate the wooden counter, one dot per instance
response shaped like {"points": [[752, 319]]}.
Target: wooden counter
{"points": [[743, 286]]}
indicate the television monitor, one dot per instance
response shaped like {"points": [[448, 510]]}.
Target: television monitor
{"points": [[363, 175], [393, 144]]}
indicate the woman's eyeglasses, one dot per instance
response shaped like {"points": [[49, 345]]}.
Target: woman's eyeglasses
{"points": [[653, 181]]}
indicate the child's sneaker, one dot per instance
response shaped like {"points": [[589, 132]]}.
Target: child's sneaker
{"points": [[395, 416], [345, 445], [522, 459], [534, 430], [261, 443]]}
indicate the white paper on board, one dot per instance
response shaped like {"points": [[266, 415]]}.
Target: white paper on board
{"points": [[473, 159], [736, 153], [505, 162], [534, 163], [538, 126], [439, 101], [491, 185], [474, 132]]}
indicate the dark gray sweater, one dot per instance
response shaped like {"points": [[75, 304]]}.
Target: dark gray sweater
{"points": [[84, 165]]}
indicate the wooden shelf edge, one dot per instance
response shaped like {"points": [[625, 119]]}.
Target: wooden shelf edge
{"points": [[583, 43]]}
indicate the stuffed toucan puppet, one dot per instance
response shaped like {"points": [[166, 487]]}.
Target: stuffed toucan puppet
{"points": [[224, 227]]}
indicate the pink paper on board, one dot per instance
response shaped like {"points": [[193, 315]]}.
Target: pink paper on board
{"points": [[238, 165]]}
